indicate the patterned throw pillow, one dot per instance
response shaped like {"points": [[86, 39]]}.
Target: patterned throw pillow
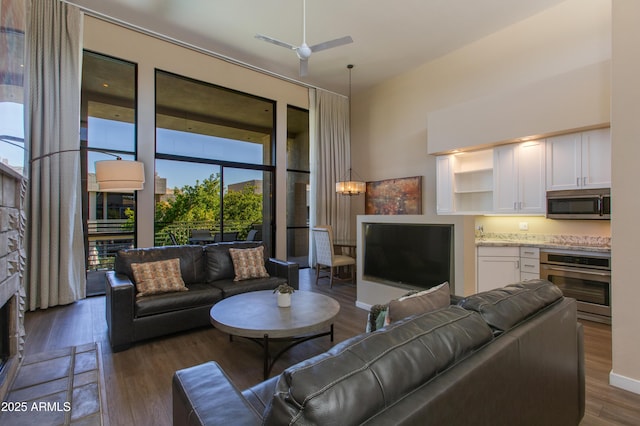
{"points": [[158, 277], [248, 263]]}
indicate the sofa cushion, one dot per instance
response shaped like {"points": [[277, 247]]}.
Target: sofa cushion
{"points": [[229, 287], [437, 297], [198, 295], [191, 260], [219, 265], [248, 263], [506, 307], [379, 368], [162, 276]]}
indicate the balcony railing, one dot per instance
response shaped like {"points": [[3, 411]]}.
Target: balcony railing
{"points": [[182, 230], [106, 237]]}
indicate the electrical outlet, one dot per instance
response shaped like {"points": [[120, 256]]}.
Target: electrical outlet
{"points": [[524, 226]]}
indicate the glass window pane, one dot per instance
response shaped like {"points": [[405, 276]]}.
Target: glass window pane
{"points": [[297, 199], [297, 139], [107, 123], [201, 120], [109, 134], [298, 186], [12, 24], [108, 102], [187, 200], [298, 246], [247, 211]]}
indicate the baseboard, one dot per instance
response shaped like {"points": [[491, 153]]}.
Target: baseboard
{"points": [[626, 383], [364, 306]]}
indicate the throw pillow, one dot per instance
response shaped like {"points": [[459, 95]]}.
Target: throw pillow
{"points": [[428, 300], [158, 277], [248, 263]]}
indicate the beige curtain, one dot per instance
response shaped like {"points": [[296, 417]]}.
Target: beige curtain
{"points": [[56, 261], [330, 162]]}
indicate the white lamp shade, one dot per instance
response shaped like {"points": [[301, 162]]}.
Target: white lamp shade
{"points": [[350, 187], [119, 175]]}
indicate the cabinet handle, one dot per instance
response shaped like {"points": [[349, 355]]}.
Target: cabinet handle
{"points": [[577, 181], [514, 206], [517, 264], [584, 181]]}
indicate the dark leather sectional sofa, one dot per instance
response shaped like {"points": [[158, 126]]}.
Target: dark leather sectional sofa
{"points": [[208, 273], [511, 356]]}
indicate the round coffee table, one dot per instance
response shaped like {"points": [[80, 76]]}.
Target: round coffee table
{"points": [[256, 316]]}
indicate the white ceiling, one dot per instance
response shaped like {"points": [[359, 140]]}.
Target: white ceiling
{"points": [[389, 37]]}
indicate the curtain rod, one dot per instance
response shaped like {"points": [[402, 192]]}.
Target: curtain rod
{"points": [[164, 37]]}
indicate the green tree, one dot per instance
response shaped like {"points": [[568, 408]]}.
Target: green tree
{"points": [[201, 203], [243, 206], [192, 203]]}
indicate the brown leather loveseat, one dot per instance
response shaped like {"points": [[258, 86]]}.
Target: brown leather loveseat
{"points": [[511, 356], [207, 272]]}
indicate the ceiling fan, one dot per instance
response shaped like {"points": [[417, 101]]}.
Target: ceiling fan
{"points": [[304, 51]]}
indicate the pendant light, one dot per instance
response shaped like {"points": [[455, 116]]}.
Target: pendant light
{"points": [[350, 186]]}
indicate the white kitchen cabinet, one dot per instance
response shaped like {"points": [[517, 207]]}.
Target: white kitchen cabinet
{"points": [[465, 183], [529, 263], [519, 178], [497, 267], [579, 160], [444, 184]]}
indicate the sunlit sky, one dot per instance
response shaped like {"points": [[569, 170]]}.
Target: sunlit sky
{"points": [[11, 124]]}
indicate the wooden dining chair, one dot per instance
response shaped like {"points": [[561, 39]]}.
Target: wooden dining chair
{"points": [[325, 256]]}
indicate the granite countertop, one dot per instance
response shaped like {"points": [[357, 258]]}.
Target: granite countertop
{"points": [[566, 242]]}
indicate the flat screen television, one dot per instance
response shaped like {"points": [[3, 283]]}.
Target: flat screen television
{"points": [[408, 255]]}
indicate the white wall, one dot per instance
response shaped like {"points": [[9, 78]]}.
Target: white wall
{"points": [[151, 53], [625, 228]]}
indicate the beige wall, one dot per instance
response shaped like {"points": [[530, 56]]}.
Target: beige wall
{"points": [[390, 126], [151, 53], [625, 228]]}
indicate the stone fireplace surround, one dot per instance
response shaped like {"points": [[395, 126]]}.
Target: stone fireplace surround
{"points": [[12, 268]]}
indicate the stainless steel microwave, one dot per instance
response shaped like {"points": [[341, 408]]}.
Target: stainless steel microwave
{"points": [[579, 204]]}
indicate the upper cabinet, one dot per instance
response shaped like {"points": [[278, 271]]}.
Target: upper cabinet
{"points": [[465, 183], [579, 160], [513, 179], [519, 178]]}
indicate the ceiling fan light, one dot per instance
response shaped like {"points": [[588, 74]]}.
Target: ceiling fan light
{"points": [[304, 52]]}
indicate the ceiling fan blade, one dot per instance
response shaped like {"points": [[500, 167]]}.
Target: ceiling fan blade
{"points": [[304, 65], [275, 41], [332, 43]]}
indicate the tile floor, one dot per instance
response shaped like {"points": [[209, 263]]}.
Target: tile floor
{"points": [[62, 387]]}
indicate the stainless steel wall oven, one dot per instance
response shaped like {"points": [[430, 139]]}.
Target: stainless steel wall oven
{"points": [[584, 276]]}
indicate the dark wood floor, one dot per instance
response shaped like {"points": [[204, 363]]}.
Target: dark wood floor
{"points": [[138, 380]]}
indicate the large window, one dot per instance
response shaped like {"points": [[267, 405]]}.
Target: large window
{"points": [[298, 186], [214, 163], [108, 125], [12, 24]]}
